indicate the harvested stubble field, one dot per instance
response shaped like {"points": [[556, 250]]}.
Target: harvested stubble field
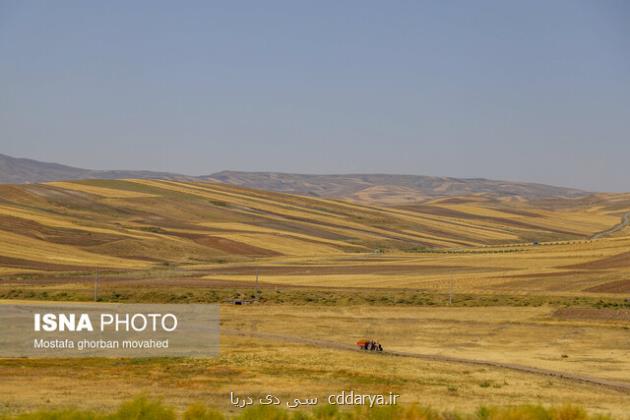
{"points": [[134, 224], [458, 277], [257, 366]]}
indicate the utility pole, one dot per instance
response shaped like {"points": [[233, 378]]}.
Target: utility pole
{"points": [[257, 285], [96, 285]]}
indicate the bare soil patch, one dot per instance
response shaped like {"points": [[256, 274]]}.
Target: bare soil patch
{"points": [[602, 314], [36, 265], [58, 235], [228, 246], [616, 261], [618, 286]]}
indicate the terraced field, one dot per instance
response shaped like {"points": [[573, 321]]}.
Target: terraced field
{"points": [[144, 224], [600, 266], [469, 286], [222, 234]]}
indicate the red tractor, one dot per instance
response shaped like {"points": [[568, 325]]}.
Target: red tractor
{"points": [[369, 345]]}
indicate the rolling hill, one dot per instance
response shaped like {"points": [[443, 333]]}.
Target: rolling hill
{"points": [[361, 188], [24, 171], [141, 223], [388, 189]]}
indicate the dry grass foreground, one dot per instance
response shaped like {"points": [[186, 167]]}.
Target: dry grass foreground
{"points": [[530, 336], [142, 408], [254, 365]]}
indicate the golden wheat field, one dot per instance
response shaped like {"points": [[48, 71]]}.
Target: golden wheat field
{"points": [[514, 282], [259, 364], [149, 220]]}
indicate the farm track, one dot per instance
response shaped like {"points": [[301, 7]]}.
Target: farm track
{"points": [[625, 221], [619, 386]]}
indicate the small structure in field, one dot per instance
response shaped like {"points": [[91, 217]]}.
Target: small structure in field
{"points": [[369, 345]]}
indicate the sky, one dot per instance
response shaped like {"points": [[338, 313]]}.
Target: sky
{"points": [[518, 90]]}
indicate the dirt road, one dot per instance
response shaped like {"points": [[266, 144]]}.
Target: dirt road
{"points": [[625, 221], [623, 387]]}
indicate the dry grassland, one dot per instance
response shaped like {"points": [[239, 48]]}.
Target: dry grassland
{"points": [[256, 366], [328, 270]]}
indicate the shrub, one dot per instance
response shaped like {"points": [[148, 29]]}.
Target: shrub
{"points": [[142, 408], [568, 412], [266, 412], [68, 414], [534, 412], [199, 411], [325, 412]]}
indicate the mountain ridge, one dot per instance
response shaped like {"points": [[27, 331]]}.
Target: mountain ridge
{"points": [[27, 171], [388, 189]]}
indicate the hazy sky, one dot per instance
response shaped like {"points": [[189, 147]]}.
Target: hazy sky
{"points": [[518, 90]]}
